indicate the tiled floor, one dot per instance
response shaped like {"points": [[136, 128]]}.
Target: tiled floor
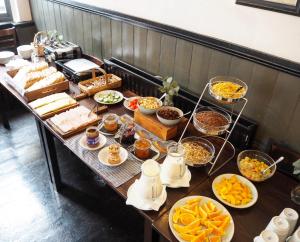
{"points": [[87, 210]]}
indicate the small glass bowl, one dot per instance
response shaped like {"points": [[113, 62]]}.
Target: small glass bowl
{"points": [[261, 156], [206, 145], [229, 97], [211, 130]]}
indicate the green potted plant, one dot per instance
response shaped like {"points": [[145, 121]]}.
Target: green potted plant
{"points": [[171, 89]]}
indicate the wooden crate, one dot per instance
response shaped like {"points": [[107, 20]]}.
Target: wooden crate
{"points": [[117, 82], [152, 124], [45, 91]]}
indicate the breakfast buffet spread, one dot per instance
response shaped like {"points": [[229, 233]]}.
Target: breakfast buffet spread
{"points": [[150, 137]]}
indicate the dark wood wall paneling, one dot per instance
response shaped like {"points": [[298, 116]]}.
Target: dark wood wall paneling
{"points": [[274, 96]]}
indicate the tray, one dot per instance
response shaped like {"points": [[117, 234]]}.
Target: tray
{"points": [[73, 132], [45, 91]]}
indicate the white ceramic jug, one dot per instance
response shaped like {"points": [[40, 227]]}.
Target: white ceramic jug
{"points": [[174, 166], [149, 184]]}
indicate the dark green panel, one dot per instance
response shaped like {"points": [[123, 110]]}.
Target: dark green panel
{"points": [[106, 37], [71, 25], [57, 18], [64, 21], [46, 14], [79, 28], [116, 38], [140, 47], [281, 107], [52, 25], [127, 42], [87, 32], [199, 68], [219, 64], [167, 55], [183, 59], [35, 13], [241, 69], [293, 132], [260, 91], [41, 22], [153, 52], [96, 35]]}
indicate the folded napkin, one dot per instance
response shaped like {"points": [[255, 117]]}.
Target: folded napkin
{"points": [[296, 171], [135, 200]]}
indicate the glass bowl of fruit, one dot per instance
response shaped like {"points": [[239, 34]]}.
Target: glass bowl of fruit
{"points": [[252, 163]]}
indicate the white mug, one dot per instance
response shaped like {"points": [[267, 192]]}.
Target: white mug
{"points": [[280, 226], [174, 166], [296, 236], [291, 216], [267, 236], [149, 184]]}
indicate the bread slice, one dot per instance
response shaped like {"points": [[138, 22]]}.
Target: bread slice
{"points": [[48, 99], [35, 76], [49, 80]]}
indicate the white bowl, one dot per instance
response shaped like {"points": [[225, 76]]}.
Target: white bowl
{"points": [[169, 122], [149, 111], [25, 51], [6, 56]]}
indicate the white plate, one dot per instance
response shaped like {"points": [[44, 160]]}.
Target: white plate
{"points": [[83, 144], [103, 156], [243, 180], [229, 231], [146, 205], [128, 100], [96, 96]]}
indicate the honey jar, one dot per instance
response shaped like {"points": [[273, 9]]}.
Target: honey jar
{"points": [[110, 122], [92, 136], [142, 148]]}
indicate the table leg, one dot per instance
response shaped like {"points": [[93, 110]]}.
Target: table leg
{"points": [[50, 151], [40, 132], [4, 108]]}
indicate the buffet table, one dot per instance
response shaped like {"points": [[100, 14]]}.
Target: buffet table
{"points": [[274, 194]]}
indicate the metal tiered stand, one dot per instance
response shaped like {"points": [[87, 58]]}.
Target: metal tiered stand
{"points": [[225, 101]]}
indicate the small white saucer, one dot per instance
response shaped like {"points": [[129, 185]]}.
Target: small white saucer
{"points": [[83, 144], [176, 183], [103, 156], [135, 200]]}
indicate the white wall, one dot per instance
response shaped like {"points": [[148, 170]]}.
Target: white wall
{"points": [[270, 32], [20, 10]]}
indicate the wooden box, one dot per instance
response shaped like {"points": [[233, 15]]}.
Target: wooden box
{"points": [[45, 91], [151, 123], [112, 82]]}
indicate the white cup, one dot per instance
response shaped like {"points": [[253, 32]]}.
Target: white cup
{"points": [[291, 216], [267, 236], [149, 185], [296, 236], [280, 226], [174, 166]]}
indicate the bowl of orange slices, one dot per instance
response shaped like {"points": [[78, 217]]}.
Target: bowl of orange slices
{"points": [[196, 218], [235, 191]]}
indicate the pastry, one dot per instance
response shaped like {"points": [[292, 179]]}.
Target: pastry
{"points": [[114, 154]]}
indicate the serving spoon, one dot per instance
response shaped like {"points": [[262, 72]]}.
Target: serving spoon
{"points": [[275, 163]]}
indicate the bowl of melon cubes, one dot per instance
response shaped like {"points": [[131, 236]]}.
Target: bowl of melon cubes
{"points": [[199, 218]]}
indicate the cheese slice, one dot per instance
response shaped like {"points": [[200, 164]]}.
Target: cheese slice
{"points": [[49, 99], [55, 106]]}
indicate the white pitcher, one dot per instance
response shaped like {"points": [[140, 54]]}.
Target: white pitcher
{"points": [[174, 166], [149, 185]]}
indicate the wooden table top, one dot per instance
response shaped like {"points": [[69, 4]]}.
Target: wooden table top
{"points": [[198, 175], [273, 196]]}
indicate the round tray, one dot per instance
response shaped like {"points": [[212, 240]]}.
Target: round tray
{"points": [[222, 99]]}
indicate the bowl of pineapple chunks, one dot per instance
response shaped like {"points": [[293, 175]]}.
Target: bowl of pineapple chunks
{"points": [[199, 218], [235, 191]]}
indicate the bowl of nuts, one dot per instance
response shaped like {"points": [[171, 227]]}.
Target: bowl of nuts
{"points": [[251, 164], [169, 115], [198, 151], [149, 105]]}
